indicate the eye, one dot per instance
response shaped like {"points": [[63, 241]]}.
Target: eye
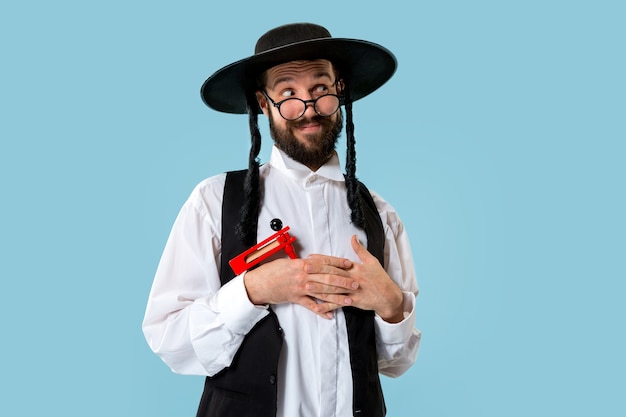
{"points": [[321, 89], [287, 93]]}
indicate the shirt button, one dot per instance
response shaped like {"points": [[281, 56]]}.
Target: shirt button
{"points": [[272, 379]]}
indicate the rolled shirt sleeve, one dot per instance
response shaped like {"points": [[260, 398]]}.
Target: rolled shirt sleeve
{"points": [[397, 343], [218, 324]]}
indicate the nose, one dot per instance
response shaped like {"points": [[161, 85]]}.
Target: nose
{"points": [[309, 107]]}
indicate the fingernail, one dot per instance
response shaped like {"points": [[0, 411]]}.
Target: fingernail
{"points": [[355, 285]]}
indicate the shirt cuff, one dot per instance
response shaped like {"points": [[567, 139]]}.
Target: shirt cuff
{"points": [[236, 311], [393, 333]]}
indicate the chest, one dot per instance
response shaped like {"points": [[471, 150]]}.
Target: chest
{"points": [[316, 212]]}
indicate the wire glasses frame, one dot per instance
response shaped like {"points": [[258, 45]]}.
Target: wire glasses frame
{"points": [[293, 108]]}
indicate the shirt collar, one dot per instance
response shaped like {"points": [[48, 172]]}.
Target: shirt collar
{"points": [[330, 170]]}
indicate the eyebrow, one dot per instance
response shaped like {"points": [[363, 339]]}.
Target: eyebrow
{"points": [[288, 78]]}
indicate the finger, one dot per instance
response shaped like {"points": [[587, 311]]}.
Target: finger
{"points": [[342, 263], [316, 268], [321, 308], [360, 250], [346, 286], [331, 282], [326, 310], [340, 300]]}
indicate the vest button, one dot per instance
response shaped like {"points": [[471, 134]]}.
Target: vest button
{"points": [[272, 379]]}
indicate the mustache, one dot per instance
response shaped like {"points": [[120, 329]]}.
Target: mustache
{"points": [[322, 120]]}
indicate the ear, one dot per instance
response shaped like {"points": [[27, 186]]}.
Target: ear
{"points": [[340, 86], [260, 98]]}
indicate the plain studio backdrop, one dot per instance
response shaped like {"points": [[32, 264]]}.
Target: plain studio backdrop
{"points": [[500, 141]]}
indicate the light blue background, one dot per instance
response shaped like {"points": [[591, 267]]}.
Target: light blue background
{"points": [[500, 141]]}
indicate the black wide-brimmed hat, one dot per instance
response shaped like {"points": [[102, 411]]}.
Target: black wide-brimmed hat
{"points": [[364, 64]]}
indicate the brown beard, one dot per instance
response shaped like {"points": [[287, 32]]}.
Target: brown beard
{"points": [[318, 150]]}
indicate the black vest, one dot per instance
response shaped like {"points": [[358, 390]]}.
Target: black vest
{"points": [[247, 388]]}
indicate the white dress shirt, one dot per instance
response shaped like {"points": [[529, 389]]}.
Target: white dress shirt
{"points": [[196, 326]]}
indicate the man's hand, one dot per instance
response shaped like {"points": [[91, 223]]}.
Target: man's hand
{"points": [[296, 281], [376, 290], [323, 283]]}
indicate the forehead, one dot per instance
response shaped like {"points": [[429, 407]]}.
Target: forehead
{"points": [[299, 70]]}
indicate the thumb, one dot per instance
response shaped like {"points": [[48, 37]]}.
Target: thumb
{"points": [[359, 249]]}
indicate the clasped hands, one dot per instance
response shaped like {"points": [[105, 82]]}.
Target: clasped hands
{"points": [[323, 283]]}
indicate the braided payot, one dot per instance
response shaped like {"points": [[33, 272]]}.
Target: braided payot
{"points": [[246, 229], [352, 183]]}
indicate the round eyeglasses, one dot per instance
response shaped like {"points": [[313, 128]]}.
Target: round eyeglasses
{"points": [[293, 108]]}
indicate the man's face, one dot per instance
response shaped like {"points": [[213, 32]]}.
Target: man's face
{"points": [[310, 139]]}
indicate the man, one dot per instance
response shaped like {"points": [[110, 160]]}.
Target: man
{"points": [[290, 337]]}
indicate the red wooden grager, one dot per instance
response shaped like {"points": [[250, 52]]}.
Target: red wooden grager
{"points": [[263, 250]]}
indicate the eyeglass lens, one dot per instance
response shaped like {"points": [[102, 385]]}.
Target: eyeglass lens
{"points": [[292, 109]]}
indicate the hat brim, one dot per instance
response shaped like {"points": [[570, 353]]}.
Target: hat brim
{"points": [[366, 65]]}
